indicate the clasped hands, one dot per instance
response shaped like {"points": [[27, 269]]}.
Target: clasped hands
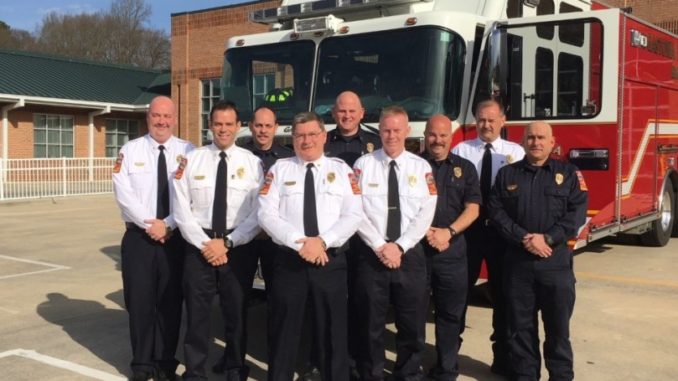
{"points": [[390, 255], [536, 244], [313, 250]]}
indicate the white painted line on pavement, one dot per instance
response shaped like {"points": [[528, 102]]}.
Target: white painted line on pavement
{"points": [[52, 267], [63, 364], [9, 311]]}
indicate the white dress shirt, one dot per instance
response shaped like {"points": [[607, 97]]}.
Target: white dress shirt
{"points": [[416, 190], [338, 203], [503, 151], [135, 177], [194, 194]]}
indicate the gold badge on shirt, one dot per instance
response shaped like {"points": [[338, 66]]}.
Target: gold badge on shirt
{"points": [[179, 157], [139, 163], [509, 159], [457, 172], [331, 177], [240, 172], [412, 180], [199, 177], [559, 178], [369, 147]]}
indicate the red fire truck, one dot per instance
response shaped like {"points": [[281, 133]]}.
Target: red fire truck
{"points": [[606, 81]]}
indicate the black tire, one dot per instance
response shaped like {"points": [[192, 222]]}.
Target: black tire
{"points": [[664, 227]]}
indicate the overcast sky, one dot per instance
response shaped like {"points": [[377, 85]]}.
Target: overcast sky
{"points": [[27, 14]]}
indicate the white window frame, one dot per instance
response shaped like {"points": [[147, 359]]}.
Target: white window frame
{"points": [[122, 133], [209, 99], [60, 129]]}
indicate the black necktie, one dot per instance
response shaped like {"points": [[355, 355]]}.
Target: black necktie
{"points": [[310, 212], [219, 206], [393, 220], [486, 174], [162, 205]]}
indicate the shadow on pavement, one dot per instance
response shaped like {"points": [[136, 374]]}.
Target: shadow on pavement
{"points": [[92, 325], [113, 252]]}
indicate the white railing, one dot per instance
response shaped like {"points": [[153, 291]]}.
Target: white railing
{"points": [[36, 178]]}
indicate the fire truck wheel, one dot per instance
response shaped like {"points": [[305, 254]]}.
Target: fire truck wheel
{"points": [[663, 227]]}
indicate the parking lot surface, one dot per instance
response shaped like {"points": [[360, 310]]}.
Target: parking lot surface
{"points": [[62, 315]]}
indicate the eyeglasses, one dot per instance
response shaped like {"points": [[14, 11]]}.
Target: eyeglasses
{"points": [[310, 135]]}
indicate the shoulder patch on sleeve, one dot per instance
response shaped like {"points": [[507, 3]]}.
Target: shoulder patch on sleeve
{"points": [[353, 179], [180, 170], [268, 180], [582, 182], [431, 182], [118, 163]]}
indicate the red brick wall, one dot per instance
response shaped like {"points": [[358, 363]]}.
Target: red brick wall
{"points": [[198, 43], [20, 131]]}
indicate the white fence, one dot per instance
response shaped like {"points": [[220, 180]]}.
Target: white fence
{"points": [[36, 178]]}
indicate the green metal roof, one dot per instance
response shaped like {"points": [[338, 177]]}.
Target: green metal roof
{"points": [[40, 75]]}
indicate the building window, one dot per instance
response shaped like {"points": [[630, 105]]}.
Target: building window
{"points": [[52, 136], [211, 93], [119, 132]]}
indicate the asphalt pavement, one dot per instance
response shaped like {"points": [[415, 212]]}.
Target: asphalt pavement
{"points": [[62, 314]]}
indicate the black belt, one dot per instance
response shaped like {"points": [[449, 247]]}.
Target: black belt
{"points": [[215, 234]]}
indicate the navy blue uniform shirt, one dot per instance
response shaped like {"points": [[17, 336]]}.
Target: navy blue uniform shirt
{"points": [[351, 148], [457, 183], [550, 199], [271, 155]]}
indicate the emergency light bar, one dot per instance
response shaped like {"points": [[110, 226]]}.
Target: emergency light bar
{"points": [[316, 24], [320, 7]]}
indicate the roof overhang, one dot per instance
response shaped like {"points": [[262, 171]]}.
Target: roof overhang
{"points": [[72, 103]]}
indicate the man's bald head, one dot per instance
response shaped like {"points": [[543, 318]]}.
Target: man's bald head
{"points": [[538, 142], [438, 136], [347, 112]]}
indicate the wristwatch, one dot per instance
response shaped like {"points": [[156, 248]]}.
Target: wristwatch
{"points": [[228, 243], [452, 232], [548, 239]]}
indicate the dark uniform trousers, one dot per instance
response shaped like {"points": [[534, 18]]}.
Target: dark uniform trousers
{"points": [[233, 283], [295, 281], [405, 287], [447, 280], [528, 290], [151, 275], [265, 250], [484, 242]]}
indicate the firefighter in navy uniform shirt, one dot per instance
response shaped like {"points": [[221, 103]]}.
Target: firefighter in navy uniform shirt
{"points": [[349, 140], [152, 249], [215, 207], [457, 207], [263, 128], [537, 204]]}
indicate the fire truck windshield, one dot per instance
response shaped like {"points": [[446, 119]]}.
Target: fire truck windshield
{"points": [[419, 69], [276, 75]]}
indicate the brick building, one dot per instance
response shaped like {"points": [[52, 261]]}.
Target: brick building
{"points": [[60, 107], [199, 38], [198, 45]]}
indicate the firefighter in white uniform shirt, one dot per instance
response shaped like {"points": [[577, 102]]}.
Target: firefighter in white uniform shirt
{"points": [[215, 208], [489, 152], [399, 200], [310, 206], [151, 249]]}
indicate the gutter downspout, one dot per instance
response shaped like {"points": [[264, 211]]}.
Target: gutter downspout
{"points": [[90, 153], [5, 144]]}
